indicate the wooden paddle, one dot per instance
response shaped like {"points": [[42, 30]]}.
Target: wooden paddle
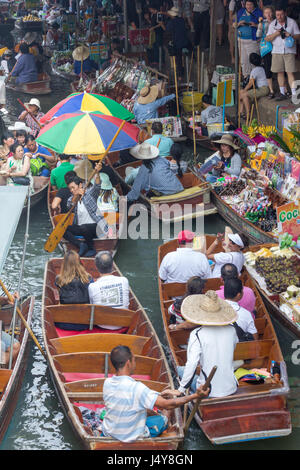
{"points": [[11, 299], [205, 386], [57, 234]]}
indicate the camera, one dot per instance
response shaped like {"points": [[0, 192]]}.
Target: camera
{"points": [[282, 33]]}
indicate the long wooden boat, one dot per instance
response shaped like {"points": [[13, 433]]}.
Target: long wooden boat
{"points": [[11, 379], [100, 244], [201, 140], [255, 411], [79, 364], [40, 191], [192, 202], [271, 300], [40, 87]]}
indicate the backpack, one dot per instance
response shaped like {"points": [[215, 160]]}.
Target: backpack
{"points": [[241, 334]]}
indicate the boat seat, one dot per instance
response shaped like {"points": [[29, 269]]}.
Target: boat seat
{"points": [[99, 342], [4, 378], [182, 195], [172, 289]]}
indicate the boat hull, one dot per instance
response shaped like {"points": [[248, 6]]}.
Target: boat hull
{"points": [[40, 87]]}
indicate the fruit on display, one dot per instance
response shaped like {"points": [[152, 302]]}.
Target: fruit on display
{"points": [[30, 18], [254, 129], [279, 272]]}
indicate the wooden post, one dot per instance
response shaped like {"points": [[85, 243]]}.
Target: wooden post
{"points": [[198, 68], [213, 38]]}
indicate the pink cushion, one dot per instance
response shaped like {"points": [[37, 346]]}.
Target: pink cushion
{"points": [[61, 333], [74, 376], [90, 406]]}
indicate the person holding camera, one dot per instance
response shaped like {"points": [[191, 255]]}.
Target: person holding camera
{"points": [[283, 32]]}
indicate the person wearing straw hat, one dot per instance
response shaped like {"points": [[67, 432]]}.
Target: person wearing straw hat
{"points": [[34, 106], [211, 343], [82, 61], [234, 252], [147, 104], [229, 161], [154, 176]]}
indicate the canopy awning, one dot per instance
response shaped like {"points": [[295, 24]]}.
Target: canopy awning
{"points": [[12, 200]]}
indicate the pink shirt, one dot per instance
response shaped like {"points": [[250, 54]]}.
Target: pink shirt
{"points": [[247, 301]]}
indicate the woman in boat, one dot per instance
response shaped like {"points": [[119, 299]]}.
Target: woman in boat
{"points": [[7, 140], [228, 161], [25, 70], [195, 285], [234, 252], [154, 176], [177, 164], [108, 201], [17, 168], [72, 283]]}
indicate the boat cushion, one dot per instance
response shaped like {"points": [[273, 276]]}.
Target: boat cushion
{"points": [[185, 194], [75, 376], [61, 333]]}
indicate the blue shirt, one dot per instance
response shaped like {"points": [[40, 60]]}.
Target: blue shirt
{"points": [[143, 112], [164, 145], [25, 69], [161, 179], [248, 32], [87, 66], [40, 149]]}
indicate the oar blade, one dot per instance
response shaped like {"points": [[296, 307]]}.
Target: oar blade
{"points": [[57, 234]]}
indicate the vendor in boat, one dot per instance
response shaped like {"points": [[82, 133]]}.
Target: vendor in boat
{"points": [[228, 161], [127, 401], [163, 143], [25, 69], [155, 175], [41, 158], [211, 343], [210, 115], [147, 104], [87, 222], [35, 112], [17, 168], [233, 254], [82, 61]]}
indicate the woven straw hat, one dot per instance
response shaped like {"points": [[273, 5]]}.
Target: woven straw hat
{"points": [[84, 169], [207, 309], [144, 151], [81, 53], [228, 140], [148, 94]]}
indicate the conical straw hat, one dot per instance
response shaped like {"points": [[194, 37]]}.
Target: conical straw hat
{"points": [[207, 309]]}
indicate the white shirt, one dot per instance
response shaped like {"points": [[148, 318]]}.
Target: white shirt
{"points": [[259, 75], [112, 291], [83, 215], [278, 43], [210, 346], [201, 5], [182, 264], [245, 319], [235, 257]]}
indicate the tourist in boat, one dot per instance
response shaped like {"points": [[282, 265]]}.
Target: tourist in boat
{"points": [[72, 283], [233, 293], [194, 285], [57, 177], [86, 219], [7, 140], [35, 113], [60, 201], [234, 253], [25, 70], [41, 158], [210, 115], [8, 61], [82, 61], [21, 137], [154, 176], [108, 201], [17, 168], [228, 161], [211, 344], [163, 143], [127, 401], [5, 348], [256, 88], [248, 300], [184, 263], [147, 104], [177, 164]]}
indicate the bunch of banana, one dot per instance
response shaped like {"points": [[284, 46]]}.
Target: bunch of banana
{"points": [[30, 18], [252, 131], [266, 131]]}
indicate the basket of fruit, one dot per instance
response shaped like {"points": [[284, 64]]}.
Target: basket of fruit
{"points": [[31, 23]]}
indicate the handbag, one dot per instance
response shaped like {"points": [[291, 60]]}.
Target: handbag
{"points": [[22, 180], [265, 46]]}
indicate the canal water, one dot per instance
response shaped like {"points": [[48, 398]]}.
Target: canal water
{"points": [[39, 422]]}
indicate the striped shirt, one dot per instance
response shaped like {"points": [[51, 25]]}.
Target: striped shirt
{"points": [[126, 402]]}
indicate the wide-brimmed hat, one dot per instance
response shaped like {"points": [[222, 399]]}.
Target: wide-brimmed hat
{"points": [[105, 182], [34, 102], [174, 11], [30, 37], [148, 94], [84, 169], [235, 238], [228, 140], [207, 309], [19, 126], [81, 53], [144, 151]]}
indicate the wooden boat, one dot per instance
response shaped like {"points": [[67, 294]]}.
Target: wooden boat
{"points": [[272, 301], [192, 202], [11, 379], [67, 76], [79, 364], [106, 244], [40, 87], [40, 190], [202, 140], [255, 411]]}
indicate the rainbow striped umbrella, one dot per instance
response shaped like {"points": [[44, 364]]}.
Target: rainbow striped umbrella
{"points": [[87, 102], [87, 133]]}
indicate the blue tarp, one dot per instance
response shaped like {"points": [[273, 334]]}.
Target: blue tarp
{"points": [[12, 200]]}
